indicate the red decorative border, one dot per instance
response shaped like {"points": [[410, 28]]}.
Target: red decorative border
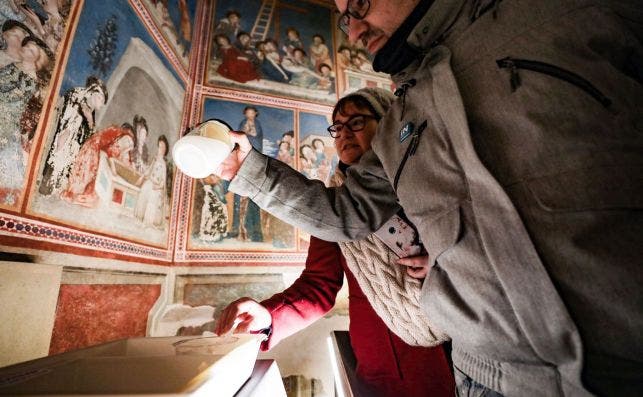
{"points": [[40, 231]]}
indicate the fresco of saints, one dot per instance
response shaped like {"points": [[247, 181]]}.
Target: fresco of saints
{"points": [[117, 143], [74, 125], [19, 83], [214, 213], [150, 206], [140, 155]]}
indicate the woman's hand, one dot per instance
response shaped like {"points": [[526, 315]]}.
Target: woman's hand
{"points": [[230, 166], [417, 266], [246, 314]]}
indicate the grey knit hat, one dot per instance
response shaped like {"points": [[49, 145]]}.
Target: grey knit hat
{"points": [[380, 99]]}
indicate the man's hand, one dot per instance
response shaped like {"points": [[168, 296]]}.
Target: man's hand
{"points": [[417, 266], [247, 314], [230, 166]]}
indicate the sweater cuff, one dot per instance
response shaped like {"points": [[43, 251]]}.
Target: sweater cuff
{"points": [[251, 175]]}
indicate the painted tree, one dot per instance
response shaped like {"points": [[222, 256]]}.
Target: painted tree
{"points": [[101, 50]]}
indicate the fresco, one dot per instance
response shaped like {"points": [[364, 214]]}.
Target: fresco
{"points": [[281, 47], [355, 67], [223, 220], [175, 19], [104, 164], [31, 32], [317, 155]]}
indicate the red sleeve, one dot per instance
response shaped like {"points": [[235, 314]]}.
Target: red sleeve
{"points": [[311, 296]]}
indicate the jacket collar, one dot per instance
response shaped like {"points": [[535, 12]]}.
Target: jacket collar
{"points": [[431, 29]]}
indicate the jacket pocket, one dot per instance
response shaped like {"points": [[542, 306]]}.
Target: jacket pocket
{"points": [[410, 151], [514, 65], [443, 233], [597, 188]]}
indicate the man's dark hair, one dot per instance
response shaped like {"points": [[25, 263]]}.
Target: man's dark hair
{"points": [[321, 37], [242, 33], [232, 12], [290, 133]]}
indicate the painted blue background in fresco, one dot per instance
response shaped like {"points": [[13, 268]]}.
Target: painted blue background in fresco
{"points": [[95, 13], [310, 124], [317, 19], [274, 122], [175, 15]]}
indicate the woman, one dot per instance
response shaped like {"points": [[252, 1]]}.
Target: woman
{"points": [[117, 143], [385, 364], [150, 206]]}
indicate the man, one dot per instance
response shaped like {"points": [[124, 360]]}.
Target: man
{"points": [[515, 147]]}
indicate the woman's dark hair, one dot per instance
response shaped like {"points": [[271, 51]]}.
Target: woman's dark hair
{"points": [[232, 12], [320, 37], [163, 139], [357, 100], [318, 140], [290, 133], [93, 80], [128, 126], [140, 121]]}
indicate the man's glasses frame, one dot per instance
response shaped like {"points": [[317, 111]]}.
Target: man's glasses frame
{"points": [[334, 129], [354, 9]]}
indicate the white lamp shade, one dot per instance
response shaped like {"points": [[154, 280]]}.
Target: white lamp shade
{"points": [[199, 156]]}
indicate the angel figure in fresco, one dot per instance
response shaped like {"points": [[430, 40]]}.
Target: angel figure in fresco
{"points": [[117, 143], [214, 213], [74, 125], [20, 82], [150, 206]]}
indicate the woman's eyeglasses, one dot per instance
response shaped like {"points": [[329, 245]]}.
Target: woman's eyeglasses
{"points": [[353, 124], [355, 9]]}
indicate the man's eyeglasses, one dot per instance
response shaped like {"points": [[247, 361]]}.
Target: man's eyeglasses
{"points": [[354, 124], [355, 9]]}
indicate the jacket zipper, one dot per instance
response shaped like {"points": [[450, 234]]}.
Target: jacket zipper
{"points": [[540, 67], [410, 151]]}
